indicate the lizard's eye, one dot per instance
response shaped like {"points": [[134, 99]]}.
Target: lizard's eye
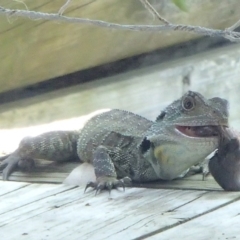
{"points": [[188, 103]]}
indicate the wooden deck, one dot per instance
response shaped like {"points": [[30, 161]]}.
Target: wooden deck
{"points": [[188, 208]]}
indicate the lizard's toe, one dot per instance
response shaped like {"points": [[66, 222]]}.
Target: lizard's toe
{"points": [[12, 162], [126, 181], [201, 168], [8, 166], [90, 184], [97, 186], [108, 183], [2, 165], [205, 173]]}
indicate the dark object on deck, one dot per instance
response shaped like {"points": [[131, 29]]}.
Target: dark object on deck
{"points": [[225, 164]]}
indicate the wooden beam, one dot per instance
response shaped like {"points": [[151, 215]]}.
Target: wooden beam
{"points": [[32, 51]]}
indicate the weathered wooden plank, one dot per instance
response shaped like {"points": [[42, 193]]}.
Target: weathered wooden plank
{"points": [[191, 183], [152, 214], [7, 188], [57, 173], [33, 200], [128, 215], [59, 177], [220, 224], [28, 194], [146, 91], [44, 50]]}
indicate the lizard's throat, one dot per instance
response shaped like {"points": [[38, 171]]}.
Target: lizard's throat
{"points": [[199, 131]]}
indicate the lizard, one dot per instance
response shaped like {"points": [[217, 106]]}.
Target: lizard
{"points": [[123, 146]]}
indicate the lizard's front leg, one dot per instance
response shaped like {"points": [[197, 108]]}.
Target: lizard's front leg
{"points": [[105, 172], [54, 146]]}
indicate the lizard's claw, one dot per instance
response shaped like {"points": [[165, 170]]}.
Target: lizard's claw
{"points": [[8, 165], [201, 168], [12, 162], [205, 173], [108, 183], [204, 170]]}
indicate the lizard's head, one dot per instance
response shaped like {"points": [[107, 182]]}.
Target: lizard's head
{"points": [[185, 133], [195, 116]]}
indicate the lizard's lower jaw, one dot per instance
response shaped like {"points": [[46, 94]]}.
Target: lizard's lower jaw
{"points": [[198, 131]]}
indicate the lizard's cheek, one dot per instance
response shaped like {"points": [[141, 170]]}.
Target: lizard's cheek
{"points": [[200, 131]]}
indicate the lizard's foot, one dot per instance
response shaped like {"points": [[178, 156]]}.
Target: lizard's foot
{"points": [[205, 172], [108, 183], [201, 168], [13, 162]]}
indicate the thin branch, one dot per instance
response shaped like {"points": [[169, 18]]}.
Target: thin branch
{"points": [[152, 10], [234, 26], [19, 1], [231, 35], [64, 7]]}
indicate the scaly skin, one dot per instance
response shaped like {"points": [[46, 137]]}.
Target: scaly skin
{"points": [[123, 146]]}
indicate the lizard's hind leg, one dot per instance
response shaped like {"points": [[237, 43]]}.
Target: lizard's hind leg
{"points": [[55, 146]]}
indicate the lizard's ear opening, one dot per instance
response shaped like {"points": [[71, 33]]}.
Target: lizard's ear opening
{"points": [[161, 116], [145, 145]]}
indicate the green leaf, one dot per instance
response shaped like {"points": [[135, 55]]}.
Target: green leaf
{"points": [[181, 4]]}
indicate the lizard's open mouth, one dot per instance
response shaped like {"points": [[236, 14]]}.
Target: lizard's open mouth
{"points": [[200, 131]]}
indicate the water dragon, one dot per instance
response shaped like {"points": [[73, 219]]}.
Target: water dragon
{"points": [[123, 146]]}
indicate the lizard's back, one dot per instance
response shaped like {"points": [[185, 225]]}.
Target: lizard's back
{"points": [[116, 128]]}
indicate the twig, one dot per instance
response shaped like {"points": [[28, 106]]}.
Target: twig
{"points": [[234, 26], [19, 1], [231, 35], [64, 7], [152, 10]]}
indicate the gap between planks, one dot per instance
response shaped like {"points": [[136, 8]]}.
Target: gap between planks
{"points": [[220, 223]]}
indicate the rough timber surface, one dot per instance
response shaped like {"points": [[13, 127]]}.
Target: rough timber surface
{"points": [[44, 49], [220, 224], [145, 92], [47, 211]]}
